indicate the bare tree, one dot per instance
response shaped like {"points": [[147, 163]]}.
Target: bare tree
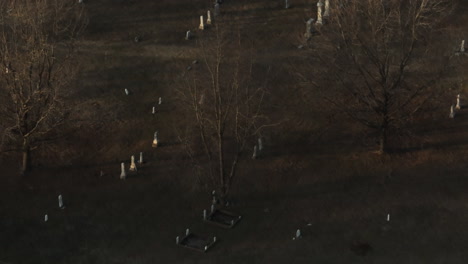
{"points": [[37, 66], [383, 60], [223, 102]]}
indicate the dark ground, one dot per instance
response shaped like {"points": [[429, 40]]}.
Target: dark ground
{"points": [[318, 178]]}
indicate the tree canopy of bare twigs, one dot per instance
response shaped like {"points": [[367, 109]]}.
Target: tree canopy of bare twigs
{"points": [[36, 69], [223, 102], [384, 59]]}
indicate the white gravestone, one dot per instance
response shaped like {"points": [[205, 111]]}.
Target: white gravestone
{"points": [[458, 107], [309, 24], [153, 111], [319, 13], [123, 175], [208, 17], [254, 155], [141, 158], [298, 233], [202, 24], [46, 218], [188, 35], [286, 4], [126, 91], [160, 100], [260, 144], [462, 47], [452, 113], [60, 202], [132, 164], [327, 8], [155, 140]]}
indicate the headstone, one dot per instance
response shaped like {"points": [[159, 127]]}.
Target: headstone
{"points": [[214, 239], [153, 111], [188, 35], [126, 91], [298, 233], [160, 100], [452, 113], [155, 140], [254, 155], [60, 202], [177, 239], [132, 164], [462, 47], [204, 214], [458, 103], [80, 1], [212, 208], [216, 10], [286, 4], [46, 218], [123, 175], [187, 232], [202, 24], [309, 28], [319, 13], [327, 8], [141, 158], [208, 17], [206, 248], [260, 144], [388, 217]]}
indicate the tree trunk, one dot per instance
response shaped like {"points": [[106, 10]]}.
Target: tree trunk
{"points": [[26, 160], [383, 141]]}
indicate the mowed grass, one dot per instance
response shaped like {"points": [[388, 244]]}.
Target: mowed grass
{"points": [[315, 174]]}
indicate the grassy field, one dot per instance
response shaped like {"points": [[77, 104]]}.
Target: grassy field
{"points": [[318, 173]]}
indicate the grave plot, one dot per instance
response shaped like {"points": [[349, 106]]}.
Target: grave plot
{"points": [[196, 242], [223, 218]]}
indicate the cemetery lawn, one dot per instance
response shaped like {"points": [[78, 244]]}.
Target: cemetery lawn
{"points": [[318, 173]]}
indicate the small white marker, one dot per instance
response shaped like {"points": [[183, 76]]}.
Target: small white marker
{"points": [[187, 232], [388, 217], [126, 91], [46, 218], [154, 110]]}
